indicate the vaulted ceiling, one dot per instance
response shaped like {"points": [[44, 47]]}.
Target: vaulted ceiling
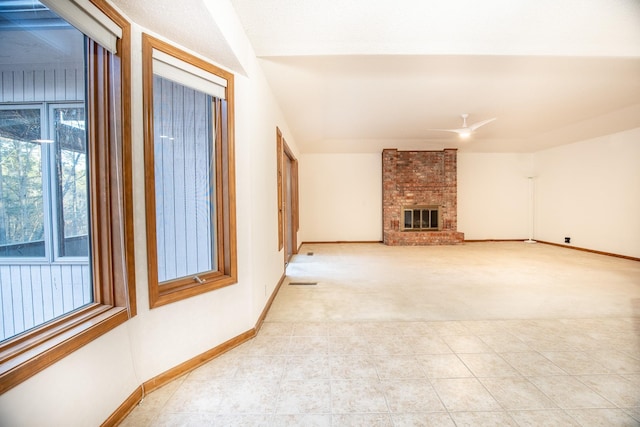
{"points": [[362, 75]]}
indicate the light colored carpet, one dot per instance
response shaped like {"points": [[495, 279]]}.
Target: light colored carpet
{"points": [[488, 280]]}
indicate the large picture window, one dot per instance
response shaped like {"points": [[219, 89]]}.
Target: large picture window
{"points": [[44, 215], [190, 174], [66, 256]]}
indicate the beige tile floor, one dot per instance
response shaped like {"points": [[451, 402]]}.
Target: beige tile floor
{"points": [[480, 334]]}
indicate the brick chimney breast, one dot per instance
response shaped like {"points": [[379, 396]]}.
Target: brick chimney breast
{"points": [[414, 185]]}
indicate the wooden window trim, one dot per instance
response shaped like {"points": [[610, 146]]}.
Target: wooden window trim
{"points": [[114, 290], [226, 273]]}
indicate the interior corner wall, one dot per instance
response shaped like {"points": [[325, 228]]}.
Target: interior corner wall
{"points": [[341, 197], [257, 117], [493, 195], [590, 191]]}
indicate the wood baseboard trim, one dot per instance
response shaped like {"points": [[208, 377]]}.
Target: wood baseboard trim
{"points": [[340, 241], [493, 240], [196, 362], [177, 371], [593, 251], [123, 410], [560, 245], [267, 307]]}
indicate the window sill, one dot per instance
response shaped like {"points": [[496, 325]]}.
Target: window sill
{"points": [[167, 295], [27, 354]]}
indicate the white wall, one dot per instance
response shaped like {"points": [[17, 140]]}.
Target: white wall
{"points": [[590, 191], [341, 197], [82, 389], [493, 196], [257, 128], [86, 387]]}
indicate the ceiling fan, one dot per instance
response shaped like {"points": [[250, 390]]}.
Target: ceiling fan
{"points": [[466, 130]]}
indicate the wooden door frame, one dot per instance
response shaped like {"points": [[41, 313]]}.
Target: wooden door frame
{"points": [[283, 178]]}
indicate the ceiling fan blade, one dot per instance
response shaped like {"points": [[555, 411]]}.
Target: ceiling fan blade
{"points": [[447, 130], [482, 123]]}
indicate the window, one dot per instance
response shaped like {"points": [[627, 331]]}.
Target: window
{"points": [[21, 189], [71, 227], [189, 162], [40, 160], [422, 218], [44, 212], [66, 268]]}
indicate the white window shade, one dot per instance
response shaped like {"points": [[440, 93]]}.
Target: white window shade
{"points": [[178, 71], [87, 18]]}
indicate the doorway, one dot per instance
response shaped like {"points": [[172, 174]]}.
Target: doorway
{"points": [[287, 199], [289, 224]]}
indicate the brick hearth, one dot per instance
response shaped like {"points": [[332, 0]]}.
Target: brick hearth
{"points": [[419, 178]]}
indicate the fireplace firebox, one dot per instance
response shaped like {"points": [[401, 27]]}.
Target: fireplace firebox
{"points": [[421, 218]]}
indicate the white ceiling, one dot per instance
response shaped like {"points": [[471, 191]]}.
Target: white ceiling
{"points": [[362, 75], [186, 22]]}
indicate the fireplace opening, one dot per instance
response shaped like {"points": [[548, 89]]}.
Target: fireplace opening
{"points": [[422, 218]]}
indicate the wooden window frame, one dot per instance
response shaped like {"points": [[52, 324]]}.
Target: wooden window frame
{"points": [[113, 275], [226, 272]]}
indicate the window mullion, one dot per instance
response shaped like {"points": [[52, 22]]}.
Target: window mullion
{"points": [[49, 176], [47, 183]]}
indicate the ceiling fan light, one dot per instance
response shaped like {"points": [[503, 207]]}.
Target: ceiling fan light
{"points": [[464, 134]]}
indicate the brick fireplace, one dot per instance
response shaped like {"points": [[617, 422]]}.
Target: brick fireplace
{"points": [[419, 198]]}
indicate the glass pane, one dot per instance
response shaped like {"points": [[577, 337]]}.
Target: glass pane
{"points": [[21, 194], [184, 180], [425, 218], [42, 190], [71, 163], [416, 218], [434, 219], [408, 219]]}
